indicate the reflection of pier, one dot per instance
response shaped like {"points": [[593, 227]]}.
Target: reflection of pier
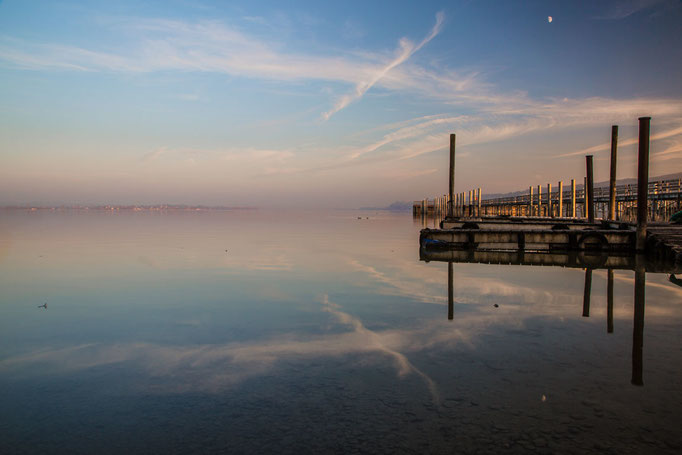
{"points": [[640, 269], [571, 259]]}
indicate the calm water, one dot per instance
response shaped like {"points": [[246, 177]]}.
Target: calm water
{"points": [[262, 332]]}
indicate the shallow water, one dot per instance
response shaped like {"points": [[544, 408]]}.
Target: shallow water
{"points": [[281, 332]]}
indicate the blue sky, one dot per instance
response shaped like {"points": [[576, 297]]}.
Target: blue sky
{"points": [[336, 104]]}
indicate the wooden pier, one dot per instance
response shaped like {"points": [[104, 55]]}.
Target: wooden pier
{"points": [[562, 220], [664, 199]]}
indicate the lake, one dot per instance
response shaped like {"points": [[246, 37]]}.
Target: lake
{"points": [[254, 331]]}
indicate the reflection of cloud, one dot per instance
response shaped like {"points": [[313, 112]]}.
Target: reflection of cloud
{"points": [[676, 290], [213, 367], [271, 263], [375, 341], [402, 285]]}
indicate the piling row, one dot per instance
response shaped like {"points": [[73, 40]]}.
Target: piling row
{"points": [[664, 199]]}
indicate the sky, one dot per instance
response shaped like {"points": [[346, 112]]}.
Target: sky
{"points": [[327, 104]]}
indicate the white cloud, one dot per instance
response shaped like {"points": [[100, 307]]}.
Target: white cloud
{"points": [[622, 9], [676, 131], [405, 51]]}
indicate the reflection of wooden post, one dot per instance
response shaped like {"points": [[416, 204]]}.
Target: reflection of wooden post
{"points": [[638, 325], [561, 199], [450, 291], [612, 178], [589, 191], [452, 173], [609, 301], [572, 198], [586, 294], [642, 182]]}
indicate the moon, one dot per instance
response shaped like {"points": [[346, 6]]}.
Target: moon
{"points": [[549, 19]]}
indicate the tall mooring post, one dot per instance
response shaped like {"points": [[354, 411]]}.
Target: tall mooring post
{"points": [[478, 198], [452, 175], [550, 213], [572, 198], [561, 199], [530, 201], [585, 199], [590, 189], [642, 181], [612, 177], [471, 203], [539, 200]]}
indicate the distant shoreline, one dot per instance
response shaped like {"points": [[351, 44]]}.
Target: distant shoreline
{"points": [[126, 208]]}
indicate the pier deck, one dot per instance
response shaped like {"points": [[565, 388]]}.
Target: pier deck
{"points": [[664, 241]]}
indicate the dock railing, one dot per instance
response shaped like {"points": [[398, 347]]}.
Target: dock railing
{"points": [[664, 199]]}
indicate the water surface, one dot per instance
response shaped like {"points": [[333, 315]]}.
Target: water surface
{"points": [[282, 332]]}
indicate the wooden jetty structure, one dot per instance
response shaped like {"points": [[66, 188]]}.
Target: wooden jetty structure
{"points": [[562, 220], [664, 199]]}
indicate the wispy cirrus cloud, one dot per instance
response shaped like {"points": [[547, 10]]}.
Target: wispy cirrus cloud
{"points": [[212, 46], [622, 9], [406, 50], [676, 131]]}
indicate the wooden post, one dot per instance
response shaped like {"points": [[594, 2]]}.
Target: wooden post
{"points": [[470, 204], [530, 201], [539, 200], [479, 202], [452, 173], [612, 178], [585, 200], [590, 189], [561, 199], [572, 198], [549, 201], [642, 181]]}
